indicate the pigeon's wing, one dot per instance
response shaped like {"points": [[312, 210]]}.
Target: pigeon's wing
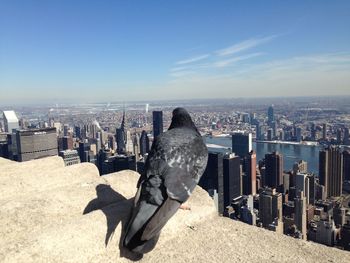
{"points": [[185, 165]]}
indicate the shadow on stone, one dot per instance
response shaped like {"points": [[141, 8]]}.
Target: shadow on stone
{"points": [[117, 209]]}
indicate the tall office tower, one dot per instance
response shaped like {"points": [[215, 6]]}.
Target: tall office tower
{"points": [[270, 208], [269, 134], [324, 131], [346, 136], [136, 147], [270, 115], [36, 143], [77, 132], [70, 157], [67, 143], [339, 136], [10, 121], [111, 142], [121, 137], [144, 143], [313, 132], [300, 215], [241, 144], [129, 143], [274, 169], [84, 149], [274, 129], [65, 129], [157, 123], [331, 170], [249, 182], [232, 183], [214, 170], [298, 134], [346, 165], [258, 130], [306, 183]]}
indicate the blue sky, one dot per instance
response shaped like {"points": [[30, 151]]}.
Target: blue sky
{"points": [[145, 50]]}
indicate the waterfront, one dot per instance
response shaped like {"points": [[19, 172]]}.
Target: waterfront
{"points": [[291, 152]]}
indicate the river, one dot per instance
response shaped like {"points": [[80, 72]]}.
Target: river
{"points": [[291, 153]]}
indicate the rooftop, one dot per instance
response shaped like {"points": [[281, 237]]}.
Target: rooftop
{"points": [[10, 116], [53, 213]]}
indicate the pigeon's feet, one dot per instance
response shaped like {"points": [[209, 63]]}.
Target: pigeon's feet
{"points": [[185, 206]]}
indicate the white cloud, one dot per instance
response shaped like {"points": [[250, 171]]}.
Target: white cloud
{"points": [[193, 59], [227, 62], [244, 45]]}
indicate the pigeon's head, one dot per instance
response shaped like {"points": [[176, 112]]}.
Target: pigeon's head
{"points": [[181, 118]]}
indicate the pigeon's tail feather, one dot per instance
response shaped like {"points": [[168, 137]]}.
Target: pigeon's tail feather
{"points": [[144, 229], [141, 215]]}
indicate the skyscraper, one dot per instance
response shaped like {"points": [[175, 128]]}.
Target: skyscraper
{"points": [[232, 178], [249, 182], [331, 170], [346, 136], [270, 115], [10, 121], [274, 169], [121, 137], [36, 143], [270, 208], [157, 123], [241, 144], [300, 215], [144, 143], [346, 165], [324, 131]]}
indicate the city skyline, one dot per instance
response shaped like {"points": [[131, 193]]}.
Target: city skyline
{"points": [[113, 51]]}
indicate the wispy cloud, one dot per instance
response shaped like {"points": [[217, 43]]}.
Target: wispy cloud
{"points": [[244, 45], [193, 59], [227, 62]]}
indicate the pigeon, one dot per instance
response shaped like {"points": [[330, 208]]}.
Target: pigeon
{"points": [[176, 162]]}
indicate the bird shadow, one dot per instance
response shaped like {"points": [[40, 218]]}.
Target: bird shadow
{"points": [[117, 209]]}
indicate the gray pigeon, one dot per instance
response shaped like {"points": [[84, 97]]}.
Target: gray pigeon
{"points": [[173, 168]]}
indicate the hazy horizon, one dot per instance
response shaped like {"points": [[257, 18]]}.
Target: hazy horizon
{"points": [[79, 51]]}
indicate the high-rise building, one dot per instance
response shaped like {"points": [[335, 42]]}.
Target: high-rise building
{"points": [[346, 136], [129, 147], [144, 143], [331, 170], [274, 169], [67, 143], [249, 182], [298, 134], [157, 123], [339, 136], [270, 115], [121, 137], [70, 157], [36, 143], [84, 148], [346, 165], [270, 208], [136, 147], [300, 215], [10, 121], [324, 131], [313, 132], [241, 144], [232, 183]]}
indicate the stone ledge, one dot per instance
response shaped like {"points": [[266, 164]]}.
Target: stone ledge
{"points": [[71, 214]]}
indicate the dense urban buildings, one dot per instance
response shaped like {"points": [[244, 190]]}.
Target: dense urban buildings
{"points": [[282, 168]]}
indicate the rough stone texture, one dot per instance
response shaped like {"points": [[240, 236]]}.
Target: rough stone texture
{"points": [[52, 213]]}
